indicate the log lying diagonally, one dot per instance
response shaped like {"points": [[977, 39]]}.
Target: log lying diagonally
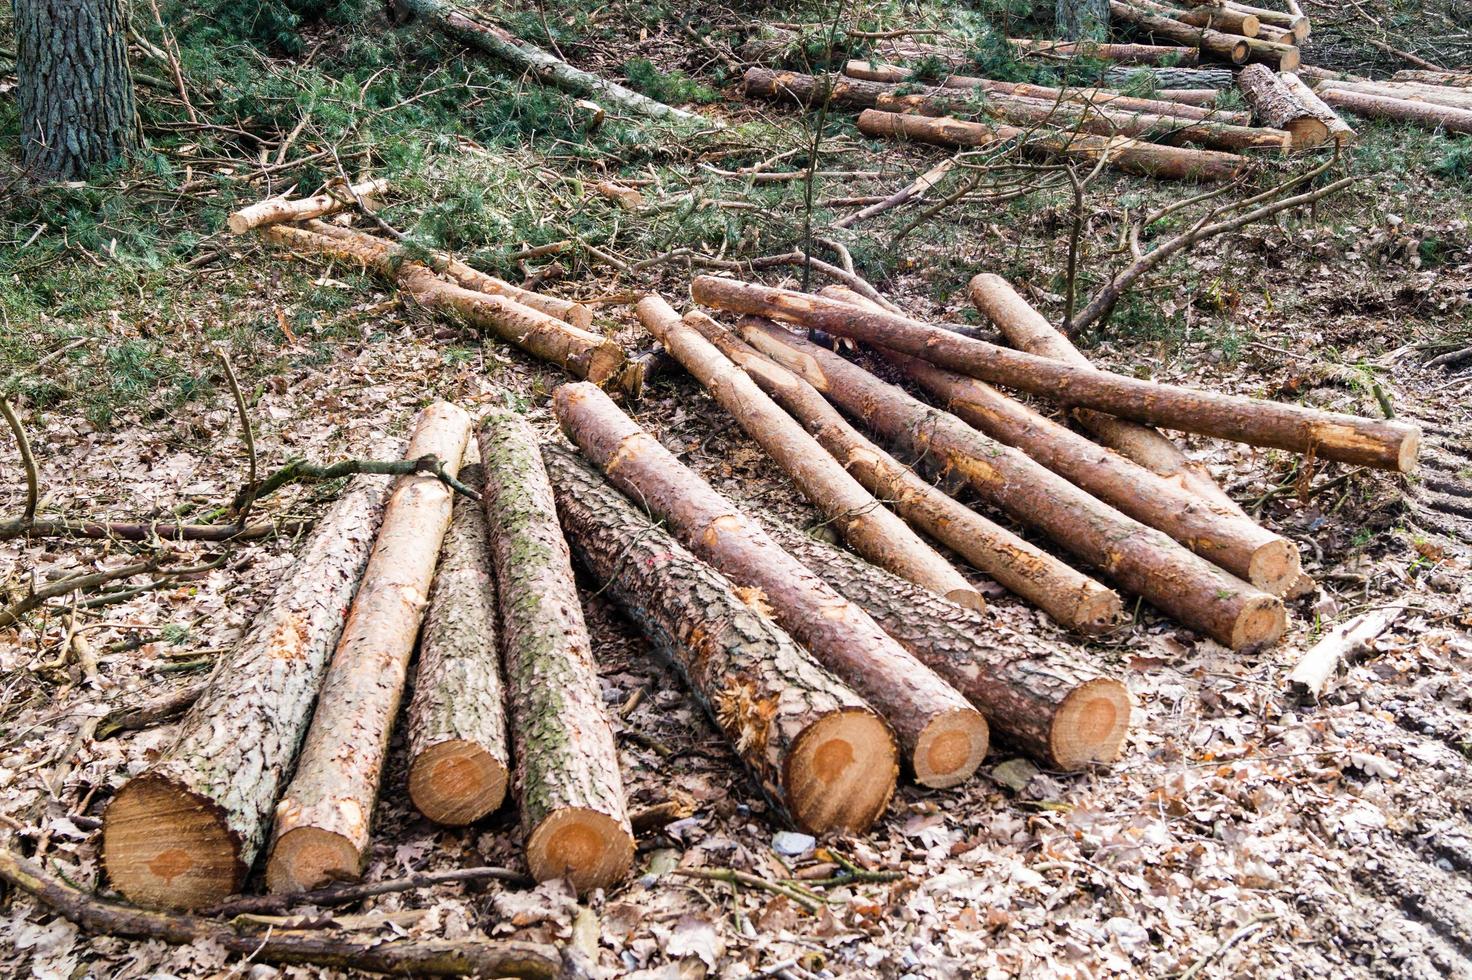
{"points": [[943, 737], [1328, 435], [278, 209], [819, 753], [1144, 560], [1278, 106]]}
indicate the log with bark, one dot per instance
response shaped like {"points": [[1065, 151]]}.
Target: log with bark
{"points": [[1449, 78], [1280, 107], [819, 753], [863, 522], [1169, 83], [1124, 54], [1425, 114], [578, 351], [942, 736], [323, 819], [1339, 130], [1144, 560], [1327, 435], [1232, 48], [185, 832], [458, 749], [1455, 98], [1048, 702], [1297, 23], [1276, 53], [1069, 596], [569, 788], [280, 209], [1123, 153], [1222, 19]]}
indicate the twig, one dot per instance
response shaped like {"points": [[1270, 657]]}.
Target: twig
{"points": [[733, 877], [812, 168], [300, 471], [1232, 940], [145, 531], [246, 433], [148, 713], [123, 595], [347, 894], [76, 583], [33, 480]]}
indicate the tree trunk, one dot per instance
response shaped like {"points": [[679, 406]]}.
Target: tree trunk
{"points": [[539, 64], [1401, 110], [1070, 597], [1053, 706], [1083, 20], [276, 210], [580, 352], [1142, 559], [1172, 79], [568, 783], [1124, 54], [1128, 155], [943, 737], [1327, 435], [1228, 47], [74, 89], [323, 819], [866, 525], [185, 832], [818, 752], [1339, 130], [1279, 107], [458, 752]]}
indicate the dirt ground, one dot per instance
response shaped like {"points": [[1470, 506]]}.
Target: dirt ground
{"points": [[1245, 832]]}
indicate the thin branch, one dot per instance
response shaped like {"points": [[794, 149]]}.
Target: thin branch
{"points": [[300, 471], [347, 894], [33, 479], [246, 433], [147, 531], [74, 583]]}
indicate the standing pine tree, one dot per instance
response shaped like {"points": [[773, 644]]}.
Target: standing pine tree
{"points": [[1083, 20], [75, 91]]}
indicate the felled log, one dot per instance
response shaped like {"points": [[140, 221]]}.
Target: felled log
{"points": [[1228, 47], [539, 64], [1328, 435], [1275, 53], [1049, 703], [915, 188], [1439, 95], [323, 818], [185, 832], [578, 351], [1279, 54], [1279, 107], [1144, 560], [1425, 114], [1171, 82], [1339, 130], [278, 209], [818, 752], [866, 525], [1069, 596], [1297, 23], [569, 788], [942, 736], [1222, 19], [1131, 156], [1450, 78], [1124, 54], [458, 749], [1321, 661]]}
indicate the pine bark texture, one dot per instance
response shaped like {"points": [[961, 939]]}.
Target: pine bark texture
{"points": [[1221, 19], [459, 752], [1455, 98], [1131, 156], [1327, 435], [1045, 700], [1067, 595], [863, 522], [1449, 78], [1228, 47], [1144, 560], [323, 819], [1080, 20], [185, 832], [1297, 23], [1172, 79], [276, 210], [766, 695], [73, 86], [578, 351], [1400, 110], [1279, 107], [568, 783], [1182, 56], [1339, 130], [943, 737]]}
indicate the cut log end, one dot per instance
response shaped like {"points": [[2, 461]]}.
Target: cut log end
{"points": [[310, 857], [606, 361], [1241, 51], [1260, 623], [1275, 567], [841, 772], [950, 748], [1289, 60], [166, 847], [1410, 449], [456, 782], [1307, 131], [1097, 611], [239, 224], [588, 848], [1091, 724], [967, 598]]}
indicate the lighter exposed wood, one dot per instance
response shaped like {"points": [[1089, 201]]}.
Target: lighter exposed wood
{"points": [[1456, 98], [1228, 47], [1448, 78], [625, 197], [278, 209], [1313, 670], [1401, 110], [1339, 130], [1279, 106], [1125, 54]]}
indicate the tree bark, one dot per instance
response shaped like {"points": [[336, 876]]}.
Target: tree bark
{"points": [[323, 818], [867, 526], [277, 210], [185, 832], [1434, 95], [1276, 53], [1448, 78], [1279, 107], [579, 352], [943, 737], [1142, 559], [1339, 130], [1170, 82], [1128, 155], [1083, 20], [1297, 23], [1069, 596], [1327, 435], [1125, 54], [821, 755], [1222, 19], [1046, 701], [458, 749], [74, 89], [1400, 110], [1232, 48], [569, 788]]}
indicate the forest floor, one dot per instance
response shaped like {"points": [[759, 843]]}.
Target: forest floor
{"points": [[1244, 831]]}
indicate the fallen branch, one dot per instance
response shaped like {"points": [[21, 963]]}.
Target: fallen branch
{"points": [[1316, 666], [300, 471], [77, 583], [152, 712], [27, 461], [347, 894], [148, 531]]}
